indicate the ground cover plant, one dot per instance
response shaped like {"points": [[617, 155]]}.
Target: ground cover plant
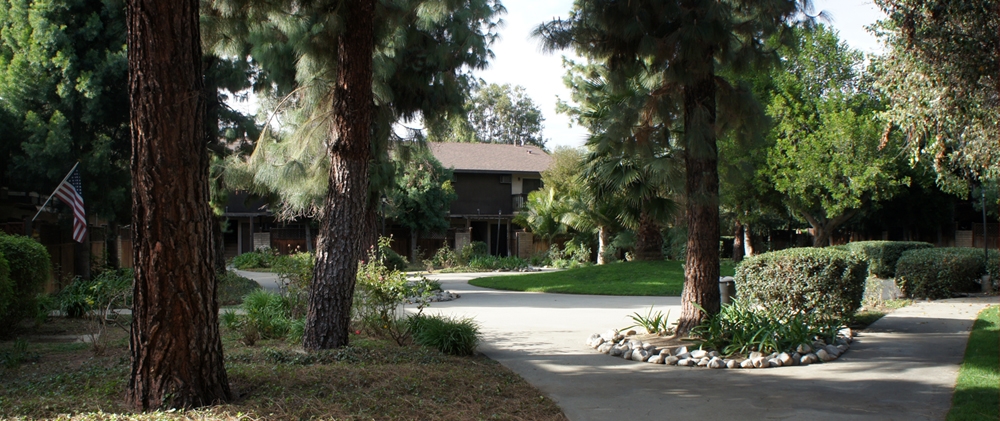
{"points": [[742, 327], [370, 379], [643, 278], [977, 392]]}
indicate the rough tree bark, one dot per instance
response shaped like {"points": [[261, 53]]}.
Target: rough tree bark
{"points": [[824, 228], [701, 267], [175, 347], [648, 240], [347, 218]]}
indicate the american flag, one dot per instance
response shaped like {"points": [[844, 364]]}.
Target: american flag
{"points": [[71, 193]]}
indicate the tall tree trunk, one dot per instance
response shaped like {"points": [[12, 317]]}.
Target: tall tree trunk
{"points": [[648, 239], [738, 242], [413, 246], [219, 244], [175, 347], [347, 218], [749, 249], [603, 239], [701, 268]]}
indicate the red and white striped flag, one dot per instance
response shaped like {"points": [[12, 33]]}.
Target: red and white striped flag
{"points": [[70, 191]]}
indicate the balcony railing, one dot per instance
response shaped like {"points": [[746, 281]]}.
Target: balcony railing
{"points": [[518, 201]]}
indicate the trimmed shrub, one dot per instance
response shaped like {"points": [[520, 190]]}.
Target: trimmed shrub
{"points": [[498, 263], [6, 286], [233, 287], [474, 249], [257, 259], [452, 336], [940, 272], [826, 282], [882, 255], [29, 269], [391, 259]]}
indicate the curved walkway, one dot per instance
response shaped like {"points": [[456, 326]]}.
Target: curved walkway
{"points": [[902, 368]]}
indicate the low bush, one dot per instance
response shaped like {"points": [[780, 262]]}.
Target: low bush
{"points": [[257, 259], [443, 258], [378, 293], [295, 274], [392, 260], [108, 290], [940, 272], [29, 266], [742, 327], [265, 316], [827, 282], [882, 256], [474, 249], [452, 336], [498, 263], [233, 287]]}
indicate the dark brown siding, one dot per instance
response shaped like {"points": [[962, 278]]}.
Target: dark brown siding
{"points": [[481, 194]]}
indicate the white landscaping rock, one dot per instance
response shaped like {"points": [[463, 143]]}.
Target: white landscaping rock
{"points": [[803, 349], [774, 362], [716, 362], [655, 359], [640, 355], [686, 362], [785, 358], [731, 364], [604, 348], [680, 350], [832, 350], [746, 364], [671, 360], [699, 354], [825, 356], [628, 354]]}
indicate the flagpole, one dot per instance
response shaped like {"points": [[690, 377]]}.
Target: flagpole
{"points": [[54, 191]]}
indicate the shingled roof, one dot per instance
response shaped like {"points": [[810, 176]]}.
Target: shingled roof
{"points": [[490, 157]]}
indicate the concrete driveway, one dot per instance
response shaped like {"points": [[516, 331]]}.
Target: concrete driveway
{"points": [[903, 368]]}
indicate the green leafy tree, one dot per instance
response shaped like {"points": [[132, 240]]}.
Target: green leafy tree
{"points": [[422, 196], [828, 160], [63, 98], [940, 78], [684, 43], [494, 114], [345, 72]]}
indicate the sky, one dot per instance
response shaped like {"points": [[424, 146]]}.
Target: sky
{"points": [[520, 61]]}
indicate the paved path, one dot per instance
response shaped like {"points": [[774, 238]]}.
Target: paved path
{"points": [[903, 368]]}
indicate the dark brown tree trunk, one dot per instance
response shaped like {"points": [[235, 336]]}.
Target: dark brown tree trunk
{"points": [[701, 268], [738, 242], [218, 244], [648, 239], [175, 346], [347, 219]]}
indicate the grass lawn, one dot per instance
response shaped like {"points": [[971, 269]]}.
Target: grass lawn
{"points": [[977, 394], [370, 379], [622, 278]]}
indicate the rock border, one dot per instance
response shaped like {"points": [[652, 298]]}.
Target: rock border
{"points": [[627, 346]]}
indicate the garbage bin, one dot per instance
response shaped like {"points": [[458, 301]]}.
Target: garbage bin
{"points": [[727, 289]]}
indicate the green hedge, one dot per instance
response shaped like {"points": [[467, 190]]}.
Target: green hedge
{"points": [[882, 255], [6, 286], [826, 282], [29, 269], [940, 272]]}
